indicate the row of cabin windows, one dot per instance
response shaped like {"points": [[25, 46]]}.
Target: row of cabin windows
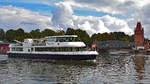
{"points": [[59, 49], [51, 49], [17, 49], [63, 39]]}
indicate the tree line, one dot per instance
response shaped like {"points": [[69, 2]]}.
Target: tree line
{"points": [[20, 35]]}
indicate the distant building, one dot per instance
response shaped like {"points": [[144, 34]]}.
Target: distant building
{"points": [[139, 38], [4, 47], [113, 44]]}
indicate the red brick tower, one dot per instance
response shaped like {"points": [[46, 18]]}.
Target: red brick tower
{"points": [[139, 35]]}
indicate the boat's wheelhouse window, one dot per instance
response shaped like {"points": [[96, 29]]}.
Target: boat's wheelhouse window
{"points": [[62, 39], [67, 39]]}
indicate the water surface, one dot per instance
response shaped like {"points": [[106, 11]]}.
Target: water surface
{"points": [[106, 70]]}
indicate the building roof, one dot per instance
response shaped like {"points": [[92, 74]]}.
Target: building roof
{"points": [[139, 27]]}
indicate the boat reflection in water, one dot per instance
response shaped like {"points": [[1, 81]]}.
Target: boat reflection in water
{"points": [[29, 71]]}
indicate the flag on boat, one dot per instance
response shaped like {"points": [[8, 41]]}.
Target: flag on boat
{"points": [[93, 46]]}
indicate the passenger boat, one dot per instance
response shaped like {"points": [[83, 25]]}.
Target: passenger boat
{"points": [[65, 47]]}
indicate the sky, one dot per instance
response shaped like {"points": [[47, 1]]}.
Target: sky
{"points": [[93, 16]]}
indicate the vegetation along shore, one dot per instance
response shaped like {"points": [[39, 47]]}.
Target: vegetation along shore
{"points": [[20, 35]]}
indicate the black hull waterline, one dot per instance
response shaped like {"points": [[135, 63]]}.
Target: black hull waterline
{"points": [[51, 56]]}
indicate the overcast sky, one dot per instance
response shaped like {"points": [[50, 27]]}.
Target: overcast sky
{"points": [[94, 16]]}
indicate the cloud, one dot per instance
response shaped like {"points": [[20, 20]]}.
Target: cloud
{"points": [[115, 24], [63, 16], [109, 6], [12, 18], [90, 24], [101, 24], [143, 15]]}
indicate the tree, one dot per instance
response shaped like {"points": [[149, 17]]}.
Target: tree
{"points": [[28, 35], [19, 34], [70, 31], [10, 35], [48, 32], [83, 36], [2, 35], [118, 35], [102, 37], [36, 33], [112, 36]]}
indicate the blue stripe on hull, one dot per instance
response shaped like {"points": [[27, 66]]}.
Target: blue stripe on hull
{"points": [[52, 56]]}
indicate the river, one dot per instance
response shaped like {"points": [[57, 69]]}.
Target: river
{"points": [[106, 70]]}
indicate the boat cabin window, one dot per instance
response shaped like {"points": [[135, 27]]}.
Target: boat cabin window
{"points": [[28, 50], [17, 49], [51, 39], [63, 39], [31, 49], [63, 49]]}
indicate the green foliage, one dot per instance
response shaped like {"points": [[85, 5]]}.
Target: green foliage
{"points": [[102, 37], [82, 35], [2, 34], [36, 34], [128, 38], [118, 35], [48, 32], [112, 36], [28, 35], [10, 35], [70, 31], [20, 35]]}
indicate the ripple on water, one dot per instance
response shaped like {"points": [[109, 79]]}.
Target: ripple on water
{"points": [[106, 70]]}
